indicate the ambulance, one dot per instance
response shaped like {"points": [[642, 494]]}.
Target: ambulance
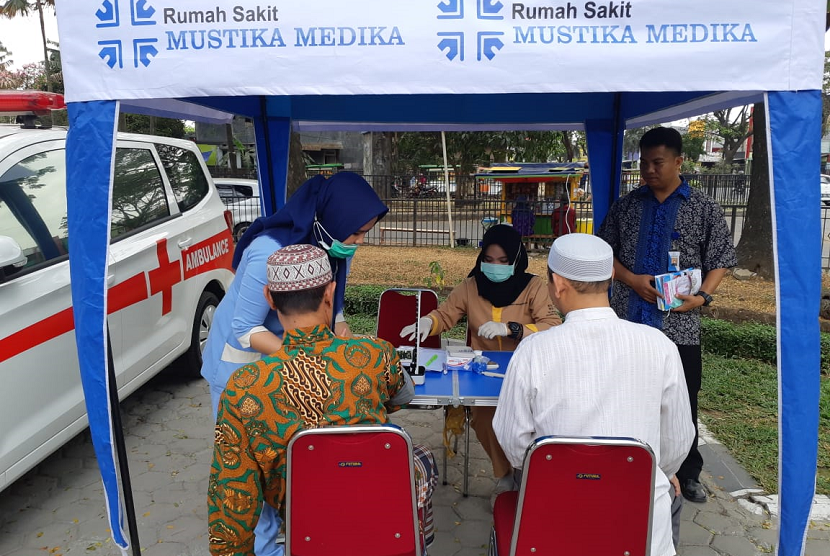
{"points": [[170, 264]]}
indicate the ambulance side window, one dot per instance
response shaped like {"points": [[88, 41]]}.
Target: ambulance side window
{"points": [[33, 208], [185, 174], [138, 198]]}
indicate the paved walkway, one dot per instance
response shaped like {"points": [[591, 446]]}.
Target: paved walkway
{"points": [[58, 508]]}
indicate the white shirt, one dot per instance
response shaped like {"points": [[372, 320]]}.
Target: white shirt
{"points": [[598, 375]]}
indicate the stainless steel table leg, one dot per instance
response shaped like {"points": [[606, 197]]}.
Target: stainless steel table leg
{"points": [[466, 450], [446, 448]]}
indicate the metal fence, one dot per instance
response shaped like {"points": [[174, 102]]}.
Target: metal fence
{"points": [[225, 172], [417, 219], [417, 222], [726, 189]]}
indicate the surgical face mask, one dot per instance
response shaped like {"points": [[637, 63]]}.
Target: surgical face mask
{"points": [[340, 250], [337, 248], [497, 272]]}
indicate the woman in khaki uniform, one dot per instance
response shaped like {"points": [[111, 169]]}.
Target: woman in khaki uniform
{"points": [[503, 304]]}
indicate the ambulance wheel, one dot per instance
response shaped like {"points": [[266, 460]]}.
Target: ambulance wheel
{"points": [[202, 322], [240, 229]]}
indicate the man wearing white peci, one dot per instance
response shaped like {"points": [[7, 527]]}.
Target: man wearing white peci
{"points": [[597, 375]]}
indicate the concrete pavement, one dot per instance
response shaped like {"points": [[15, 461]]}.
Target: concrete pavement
{"points": [[58, 508]]}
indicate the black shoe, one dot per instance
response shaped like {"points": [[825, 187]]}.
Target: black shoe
{"points": [[693, 491]]}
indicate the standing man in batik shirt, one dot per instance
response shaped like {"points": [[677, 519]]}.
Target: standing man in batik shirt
{"points": [[314, 380], [664, 215]]}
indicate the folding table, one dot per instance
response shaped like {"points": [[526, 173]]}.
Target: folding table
{"points": [[466, 389]]}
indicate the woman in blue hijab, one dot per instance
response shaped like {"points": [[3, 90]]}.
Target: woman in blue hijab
{"points": [[333, 214]]}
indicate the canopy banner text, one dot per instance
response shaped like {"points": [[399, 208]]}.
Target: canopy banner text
{"points": [[122, 49]]}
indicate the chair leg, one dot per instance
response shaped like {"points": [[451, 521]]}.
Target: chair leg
{"points": [[493, 550], [466, 450]]}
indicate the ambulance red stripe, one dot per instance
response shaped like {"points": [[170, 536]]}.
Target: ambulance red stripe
{"points": [[36, 334], [124, 294]]}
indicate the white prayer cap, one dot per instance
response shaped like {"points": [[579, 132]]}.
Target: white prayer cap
{"points": [[298, 267], [581, 257]]}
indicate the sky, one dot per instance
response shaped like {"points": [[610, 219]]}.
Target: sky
{"points": [[21, 36]]}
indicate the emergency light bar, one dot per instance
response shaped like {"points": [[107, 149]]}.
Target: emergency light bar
{"points": [[29, 103]]}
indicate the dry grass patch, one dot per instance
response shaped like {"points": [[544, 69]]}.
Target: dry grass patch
{"points": [[409, 267]]}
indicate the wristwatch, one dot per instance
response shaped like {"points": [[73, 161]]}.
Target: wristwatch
{"points": [[516, 330], [707, 299]]}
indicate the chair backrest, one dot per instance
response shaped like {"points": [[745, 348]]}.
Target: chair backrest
{"points": [[351, 491], [585, 496], [398, 308]]}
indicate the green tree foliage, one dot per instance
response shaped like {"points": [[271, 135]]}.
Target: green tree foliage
{"points": [[535, 146], [5, 58], [150, 125], [733, 128], [465, 150], [631, 142], [692, 147], [468, 149], [32, 76], [55, 69], [693, 142]]}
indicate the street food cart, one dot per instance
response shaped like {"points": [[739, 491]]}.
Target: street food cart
{"points": [[538, 187]]}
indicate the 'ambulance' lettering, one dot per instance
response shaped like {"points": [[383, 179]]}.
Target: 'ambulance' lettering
{"points": [[206, 254]]}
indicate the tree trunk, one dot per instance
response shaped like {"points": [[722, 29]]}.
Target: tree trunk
{"points": [[569, 148], [755, 246], [377, 162], [296, 165], [730, 149], [46, 69], [231, 147]]}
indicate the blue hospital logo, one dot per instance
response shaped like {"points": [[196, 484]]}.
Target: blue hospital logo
{"points": [[112, 51], [451, 43]]}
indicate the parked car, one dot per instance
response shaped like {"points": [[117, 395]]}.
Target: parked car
{"points": [[170, 254], [241, 196], [825, 189]]}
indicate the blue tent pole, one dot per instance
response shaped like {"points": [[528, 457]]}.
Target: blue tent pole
{"points": [[605, 138], [89, 199], [793, 140], [273, 138]]}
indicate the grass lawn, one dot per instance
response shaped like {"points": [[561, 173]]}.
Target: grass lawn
{"points": [[739, 405]]}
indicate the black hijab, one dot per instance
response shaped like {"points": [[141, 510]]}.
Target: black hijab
{"points": [[503, 293]]}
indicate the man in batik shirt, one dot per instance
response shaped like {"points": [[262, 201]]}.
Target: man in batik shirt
{"points": [[667, 215], [314, 380]]}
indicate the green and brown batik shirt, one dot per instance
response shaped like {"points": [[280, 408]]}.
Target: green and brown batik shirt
{"points": [[315, 380]]}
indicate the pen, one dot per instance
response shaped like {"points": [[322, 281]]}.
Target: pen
{"points": [[431, 360], [494, 375]]}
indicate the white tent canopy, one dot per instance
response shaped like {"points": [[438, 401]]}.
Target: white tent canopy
{"points": [[601, 66]]}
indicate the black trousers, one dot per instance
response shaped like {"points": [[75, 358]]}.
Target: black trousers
{"points": [[693, 369]]}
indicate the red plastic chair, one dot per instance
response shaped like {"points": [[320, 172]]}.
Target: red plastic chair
{"points": [[350, 491], [578, 496], [398, 308]]}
